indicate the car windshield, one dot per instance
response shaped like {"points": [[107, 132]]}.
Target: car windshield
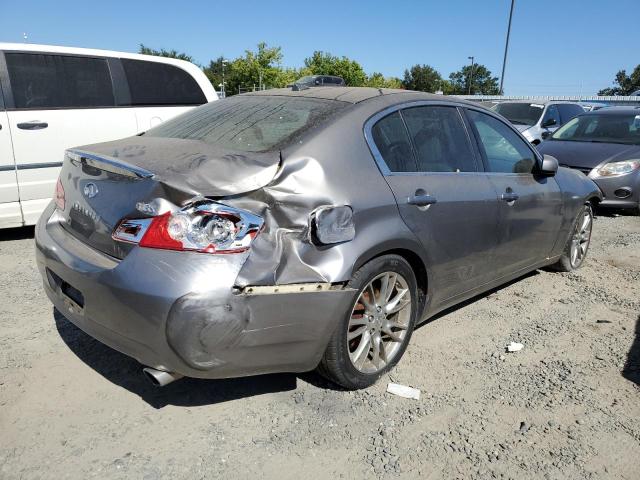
{"points": [[519, 113], [601, 129], [249, 123]]}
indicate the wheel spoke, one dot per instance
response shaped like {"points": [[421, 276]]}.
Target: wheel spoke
{"points": [[585, 222], [362, 352], [354, 322], [383, 353], [395, 305], [356, 333], [392, 335], [574, 254], [394, 324]]}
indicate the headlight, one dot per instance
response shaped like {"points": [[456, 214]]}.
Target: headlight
{"points": [[619, 168]]}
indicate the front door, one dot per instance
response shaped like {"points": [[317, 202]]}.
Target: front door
{"points": [[530, 205], [442, 196], [10, 214]]}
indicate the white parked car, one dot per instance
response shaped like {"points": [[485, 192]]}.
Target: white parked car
{"points": [[536, 121], [53, 98]]}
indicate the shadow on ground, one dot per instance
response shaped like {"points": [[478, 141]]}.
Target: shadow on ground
{"points": [[631, 370], [21, 233], [127, 373]]}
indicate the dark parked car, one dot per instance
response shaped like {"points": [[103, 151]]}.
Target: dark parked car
{"points": [[605, 145], [320, 81], [288, 230]]}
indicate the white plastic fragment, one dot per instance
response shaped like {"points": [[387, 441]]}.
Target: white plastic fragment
{"points": [[403, 391], [514, 347]]}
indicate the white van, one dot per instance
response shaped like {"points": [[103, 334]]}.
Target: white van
{"points": [[53, 98]]}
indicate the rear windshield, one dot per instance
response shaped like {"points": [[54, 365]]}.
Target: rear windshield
{"points": [[520, 113], [604, 128], [249, 123]]}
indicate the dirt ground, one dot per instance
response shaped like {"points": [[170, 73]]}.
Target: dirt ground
{"points": [[567, 406]]}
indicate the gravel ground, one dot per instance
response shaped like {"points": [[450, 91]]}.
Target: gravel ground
{"points": [[566, 406]]}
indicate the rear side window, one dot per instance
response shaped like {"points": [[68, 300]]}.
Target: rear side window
{"points": [[503, 149], [390, 136], [153, 83], [568, 111], [253, 123], [40, 81], [440, 139]]}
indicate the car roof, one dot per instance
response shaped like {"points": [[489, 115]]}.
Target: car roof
{"points": [[352, 94], [616, 110], [35, 48]]}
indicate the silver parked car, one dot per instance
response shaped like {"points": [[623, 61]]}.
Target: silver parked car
{"points": [[538, 120], [288, 230]]}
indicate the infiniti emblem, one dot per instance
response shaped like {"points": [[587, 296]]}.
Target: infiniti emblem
{"points": [[90, 190]]}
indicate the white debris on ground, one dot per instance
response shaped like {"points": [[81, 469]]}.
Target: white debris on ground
{"points": [[514, 347], [403, 391]]}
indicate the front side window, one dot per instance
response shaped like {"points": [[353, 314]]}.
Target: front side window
{"points": [[154, 83], [569, 110], [551, 117], [41, 81], [249, 123], [503, 149], [440, 139], [390, 136]]}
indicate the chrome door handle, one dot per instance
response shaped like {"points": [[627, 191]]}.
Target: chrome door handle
{"points": [[509, 197], [33, 125], [421, 200]]}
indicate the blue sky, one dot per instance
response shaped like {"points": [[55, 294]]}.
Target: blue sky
{"points": [[558, 47]]}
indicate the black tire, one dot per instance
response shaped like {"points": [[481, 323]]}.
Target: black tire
{"points": [[336, 364], [565, 262]]}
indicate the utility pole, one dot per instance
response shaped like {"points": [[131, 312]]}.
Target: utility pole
{"points": [[224, 92], [471, 74], [506, 48]]}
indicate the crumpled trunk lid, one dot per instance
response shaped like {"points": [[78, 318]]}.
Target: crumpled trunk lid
{"points": [[105, 183]]}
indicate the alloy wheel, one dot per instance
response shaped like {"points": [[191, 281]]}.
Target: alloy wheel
{"points": [[379, 322], [581, 238]]}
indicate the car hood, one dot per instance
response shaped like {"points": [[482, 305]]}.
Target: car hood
{"points": [[588, 154], [522, 128], [192, 166]]}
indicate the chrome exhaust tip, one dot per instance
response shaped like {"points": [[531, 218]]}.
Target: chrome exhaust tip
{"points": [[160, 378]]}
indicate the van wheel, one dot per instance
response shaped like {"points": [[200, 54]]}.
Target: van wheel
{"points": [[373, 335], [575, 251]]}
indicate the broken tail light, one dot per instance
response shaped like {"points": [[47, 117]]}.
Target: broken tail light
{"points": [[205, 226], [59, 195]]}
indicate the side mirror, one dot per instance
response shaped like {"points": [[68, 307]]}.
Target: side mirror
{"points": [[546, 135], [549, 165], [549, 122]]}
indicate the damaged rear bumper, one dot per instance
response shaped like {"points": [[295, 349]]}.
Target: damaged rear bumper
{"points": [[179, 312]]}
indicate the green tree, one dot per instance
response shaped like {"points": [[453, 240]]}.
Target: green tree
{"points": [[378, 80], [625, 84], [165, 53], [481, 81], [257, 68], [323, 63], [423, 78]]}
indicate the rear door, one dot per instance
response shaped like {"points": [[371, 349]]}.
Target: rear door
{"points": [[530, 205], [10, 214], [160, 91], [427, 158], [56, 102]]}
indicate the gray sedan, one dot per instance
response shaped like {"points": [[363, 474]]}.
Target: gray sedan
{"points": [[292, 230], [605, 145]]}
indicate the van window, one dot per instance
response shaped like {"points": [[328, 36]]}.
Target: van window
{"points": [[153, 83], [40, 81]]}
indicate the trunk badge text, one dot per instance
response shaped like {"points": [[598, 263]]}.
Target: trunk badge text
{"points": [[90, 190]]}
